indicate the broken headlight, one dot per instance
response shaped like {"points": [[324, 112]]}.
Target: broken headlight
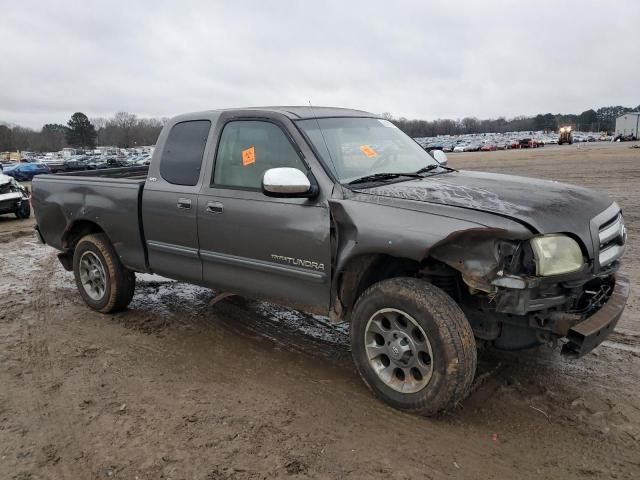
{"points": [[556, 254]]}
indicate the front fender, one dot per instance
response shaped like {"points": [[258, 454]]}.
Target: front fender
{"points": [[368, 231], [370, 228]]}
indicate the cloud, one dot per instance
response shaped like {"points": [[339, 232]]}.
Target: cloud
{"points": [[410, 58]]}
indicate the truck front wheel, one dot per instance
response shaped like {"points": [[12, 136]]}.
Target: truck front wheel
{"points": [[103, 282], [413, 346]]}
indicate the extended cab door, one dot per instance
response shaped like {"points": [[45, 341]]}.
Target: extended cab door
{"points": [[259, 246], [170, 201]]}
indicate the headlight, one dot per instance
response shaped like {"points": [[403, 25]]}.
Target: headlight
{"points": [[568, 129], [556, 254], [562, 129]]}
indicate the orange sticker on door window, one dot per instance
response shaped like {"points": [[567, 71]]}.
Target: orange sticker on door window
{"points": [[248, 156], [368, 151]]}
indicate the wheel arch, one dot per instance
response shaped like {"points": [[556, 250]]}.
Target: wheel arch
{"points": [[76, 231], [363, 271], [466, 257]]}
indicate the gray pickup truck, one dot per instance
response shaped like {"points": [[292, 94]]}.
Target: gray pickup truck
{"points": [[338, 212]]}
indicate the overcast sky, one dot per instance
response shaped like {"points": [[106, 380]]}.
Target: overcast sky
{"points": [[416, 59]]}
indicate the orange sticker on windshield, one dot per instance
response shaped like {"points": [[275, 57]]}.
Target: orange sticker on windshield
{"points": [[248, 156], [368, 151]]}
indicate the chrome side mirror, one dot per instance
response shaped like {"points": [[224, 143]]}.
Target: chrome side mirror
{"points": [[440, 156], [286, 182]]}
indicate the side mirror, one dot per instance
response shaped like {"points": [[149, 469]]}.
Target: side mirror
{"points": [[440, 157], [287, 182]]}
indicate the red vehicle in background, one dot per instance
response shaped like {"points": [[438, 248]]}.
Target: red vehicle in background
{"points": [[529, 143]]}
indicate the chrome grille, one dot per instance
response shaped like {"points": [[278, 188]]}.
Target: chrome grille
{"points": [[612, 236]]}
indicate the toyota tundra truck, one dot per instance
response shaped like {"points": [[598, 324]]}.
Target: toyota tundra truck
{"points": [[337, 212]]}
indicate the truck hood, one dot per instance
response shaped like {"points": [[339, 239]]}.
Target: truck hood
{"points": [[544, 206]]}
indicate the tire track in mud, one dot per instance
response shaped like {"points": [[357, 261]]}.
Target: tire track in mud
{"points": [[58, 430], [160, 306], [249, 320], [288, 329]]}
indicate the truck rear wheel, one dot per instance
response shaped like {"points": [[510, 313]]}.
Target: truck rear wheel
{"points": [[103, 282], [413, 346]]}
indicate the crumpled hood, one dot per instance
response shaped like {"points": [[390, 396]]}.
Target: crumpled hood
{"points": [[5, 179], [545, 206]]}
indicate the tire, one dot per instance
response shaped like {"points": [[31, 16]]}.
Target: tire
{"points": [[449, 338], [24, 211], [94, 257]]}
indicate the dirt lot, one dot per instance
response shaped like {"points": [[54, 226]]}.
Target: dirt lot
{"points": [[174, 388]]}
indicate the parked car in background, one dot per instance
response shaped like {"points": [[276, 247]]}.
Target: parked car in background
{"points": [[54, 162], [73, 165], [488, 148], [97, 164], [14, 198], [24, 172], [115, 162]]}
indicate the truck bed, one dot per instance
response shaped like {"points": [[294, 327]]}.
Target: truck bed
{"points": [[108, 200]]}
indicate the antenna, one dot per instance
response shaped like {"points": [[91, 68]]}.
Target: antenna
{"points": [[326, 145]]}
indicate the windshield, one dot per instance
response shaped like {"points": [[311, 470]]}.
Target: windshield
{"points": [[357, 147]]}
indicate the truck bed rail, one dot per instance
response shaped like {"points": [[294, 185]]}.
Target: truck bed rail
{"points": [[118, 172]]}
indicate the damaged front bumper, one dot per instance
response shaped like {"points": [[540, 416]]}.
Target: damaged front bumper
{"points": [[10, 201], [578, 313], [591, 332]]}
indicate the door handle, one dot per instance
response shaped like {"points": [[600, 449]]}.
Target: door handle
{"points": [[214, 207], [184, 203]]}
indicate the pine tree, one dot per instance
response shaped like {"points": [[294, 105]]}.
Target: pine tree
{"points": [[80, 131]]}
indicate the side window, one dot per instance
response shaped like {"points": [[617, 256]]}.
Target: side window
{"points": [[181, 158], [247, 149]]}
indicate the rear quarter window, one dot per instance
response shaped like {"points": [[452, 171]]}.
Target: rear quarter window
{"points": [[181, 159]]}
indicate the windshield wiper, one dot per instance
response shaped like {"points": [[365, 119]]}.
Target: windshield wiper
{"points": [[375, 177], [433, 166]]}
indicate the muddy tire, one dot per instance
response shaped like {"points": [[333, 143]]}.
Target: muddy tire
{"points": [[103, 282], [413, 346], [24, 211]]}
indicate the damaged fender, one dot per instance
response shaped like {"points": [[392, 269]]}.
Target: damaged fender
{"points": [[477, 254], [371, 226]]}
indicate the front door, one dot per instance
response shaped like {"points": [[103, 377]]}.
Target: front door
{"points": [[265, 247]]}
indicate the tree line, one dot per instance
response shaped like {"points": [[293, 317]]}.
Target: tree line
{"points": [[122, 130], [127, 130], [600, 120]]}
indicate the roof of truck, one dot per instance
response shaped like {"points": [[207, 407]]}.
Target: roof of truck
{"points": [[293, 112], [315, 112]]}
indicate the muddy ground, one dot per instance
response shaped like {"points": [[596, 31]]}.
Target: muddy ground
{"points": [[173, 388]]}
